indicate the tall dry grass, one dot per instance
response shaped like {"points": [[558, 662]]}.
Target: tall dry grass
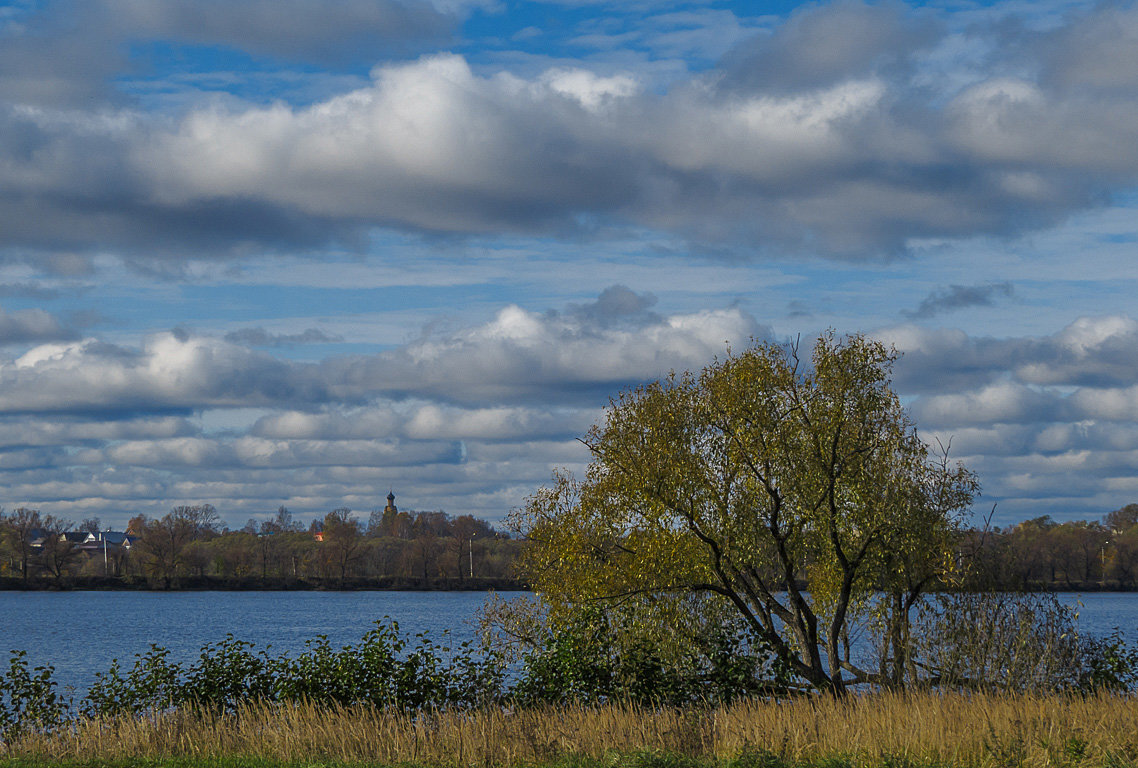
{"points": [[872, 730]]}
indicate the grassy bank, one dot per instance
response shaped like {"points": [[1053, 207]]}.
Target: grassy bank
{"points": [[877, 730], [639, 759], [611, 760]]}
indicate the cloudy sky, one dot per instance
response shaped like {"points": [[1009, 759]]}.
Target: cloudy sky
{"points": [[299, 252]]}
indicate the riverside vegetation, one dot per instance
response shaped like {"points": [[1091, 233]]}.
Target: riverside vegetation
{"points": [[393, 700], [758, 568]]}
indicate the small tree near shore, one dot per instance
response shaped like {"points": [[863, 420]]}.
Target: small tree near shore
{"points": [[797, 493]]}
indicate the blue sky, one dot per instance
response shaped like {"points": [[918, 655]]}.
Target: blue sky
{"points": [[292, 252]]}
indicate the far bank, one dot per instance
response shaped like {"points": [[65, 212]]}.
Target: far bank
{"points": [[258, 584]]}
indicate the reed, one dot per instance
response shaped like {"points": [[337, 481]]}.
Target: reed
{"points": [[872, 730]]}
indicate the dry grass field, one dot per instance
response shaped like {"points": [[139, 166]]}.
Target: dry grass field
{"points": [[871, 730]]}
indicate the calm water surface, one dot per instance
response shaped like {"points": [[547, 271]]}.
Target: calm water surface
{"points": [[79, 633]]}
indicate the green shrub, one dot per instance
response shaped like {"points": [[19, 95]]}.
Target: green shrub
{"points": [[383, 669], [151, 684], [1108, 664], [226, 673], [28, 699], [593, 658]]}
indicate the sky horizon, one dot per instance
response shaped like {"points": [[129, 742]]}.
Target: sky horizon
{"points": [[284, 252]]}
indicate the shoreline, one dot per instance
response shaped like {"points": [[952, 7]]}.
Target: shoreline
{"points": [[212, 584], [391, 584]]}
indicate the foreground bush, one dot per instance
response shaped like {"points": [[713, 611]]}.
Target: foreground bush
{"points": [[29, 701], [599, 656], [385, 669]]}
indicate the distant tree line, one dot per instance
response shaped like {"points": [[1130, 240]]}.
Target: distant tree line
{"points": [[1043, 554], [189, 547]]}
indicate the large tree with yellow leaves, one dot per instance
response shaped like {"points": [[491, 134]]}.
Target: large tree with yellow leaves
{"points": [[796, 493]]}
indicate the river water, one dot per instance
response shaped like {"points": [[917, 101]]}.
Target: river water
{"points": [[80, 633]]}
